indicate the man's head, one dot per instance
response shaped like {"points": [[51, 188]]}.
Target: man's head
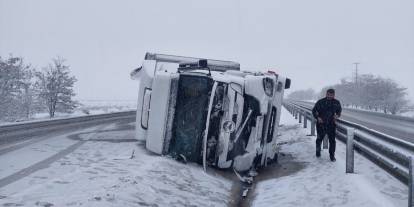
{"points": [[330, 94]]}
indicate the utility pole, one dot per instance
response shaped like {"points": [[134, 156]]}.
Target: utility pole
{"points": [[356, 72], [356, 85]]}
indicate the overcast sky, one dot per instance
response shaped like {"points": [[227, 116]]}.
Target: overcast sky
{"points": [[312, 42]]}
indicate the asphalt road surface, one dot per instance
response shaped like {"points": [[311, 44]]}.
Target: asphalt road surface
{"points": [[390, 125]]}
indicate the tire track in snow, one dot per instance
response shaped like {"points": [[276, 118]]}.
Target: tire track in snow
{"points": [[45, 163]]}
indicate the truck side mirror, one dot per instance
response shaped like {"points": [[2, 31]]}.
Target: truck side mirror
{"points": [[134, 73], [287, 83]]}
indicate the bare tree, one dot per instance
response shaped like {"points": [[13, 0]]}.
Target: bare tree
{"points": [[16, 89], [308, 94], [394, 97], [373, 93], [55, 86]]}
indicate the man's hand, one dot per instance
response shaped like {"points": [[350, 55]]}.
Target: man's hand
{"points": [[320, 120]]}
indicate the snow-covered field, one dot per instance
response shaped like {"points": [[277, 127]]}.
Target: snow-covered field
{"points": [[408, 114], [95, 107], [107, 105], [87, 107], [325, 183]]}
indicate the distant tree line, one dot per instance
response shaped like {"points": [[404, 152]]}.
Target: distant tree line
{"points": [[369, 92], [308, 94], [24, 90], [372, 93]]}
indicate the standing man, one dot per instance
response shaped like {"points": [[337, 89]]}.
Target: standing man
{"points": [[326, 111]]}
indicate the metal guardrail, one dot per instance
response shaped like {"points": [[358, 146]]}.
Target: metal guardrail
{"points": [[19, 131], [390, 153], [390, 116]]}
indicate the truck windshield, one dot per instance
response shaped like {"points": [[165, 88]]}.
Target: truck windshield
{"points": [[190, 116]]}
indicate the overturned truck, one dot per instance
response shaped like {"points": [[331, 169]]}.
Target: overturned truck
{"points": [[208, 111]]}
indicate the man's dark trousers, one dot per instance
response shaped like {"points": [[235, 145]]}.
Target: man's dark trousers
{"points": [[322, 130]]}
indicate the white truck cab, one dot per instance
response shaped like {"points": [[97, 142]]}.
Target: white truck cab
{"points": [[208, 111]]}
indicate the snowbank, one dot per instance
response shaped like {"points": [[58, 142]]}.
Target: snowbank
{"points": [[101, 173], [325, 183]]}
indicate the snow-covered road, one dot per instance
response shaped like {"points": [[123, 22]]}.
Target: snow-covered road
{"points": [[394, 126], [99, 172], [93, 167]]}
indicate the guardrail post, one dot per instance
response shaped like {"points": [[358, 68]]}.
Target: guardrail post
{"points": [[305, 121], [300, 117], [296, 114], [410, 182], [350, 150], [313, 127]]}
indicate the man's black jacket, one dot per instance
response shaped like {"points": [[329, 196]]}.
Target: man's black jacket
{"points": [[326, 109]]}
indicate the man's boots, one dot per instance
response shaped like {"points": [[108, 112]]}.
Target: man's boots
{"points": [[332, 158], [318, 153]]}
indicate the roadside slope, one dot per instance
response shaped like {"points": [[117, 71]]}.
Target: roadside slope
{"points": [[325, 183]]}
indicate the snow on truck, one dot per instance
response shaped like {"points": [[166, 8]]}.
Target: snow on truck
{"points": [[208, 111]]}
